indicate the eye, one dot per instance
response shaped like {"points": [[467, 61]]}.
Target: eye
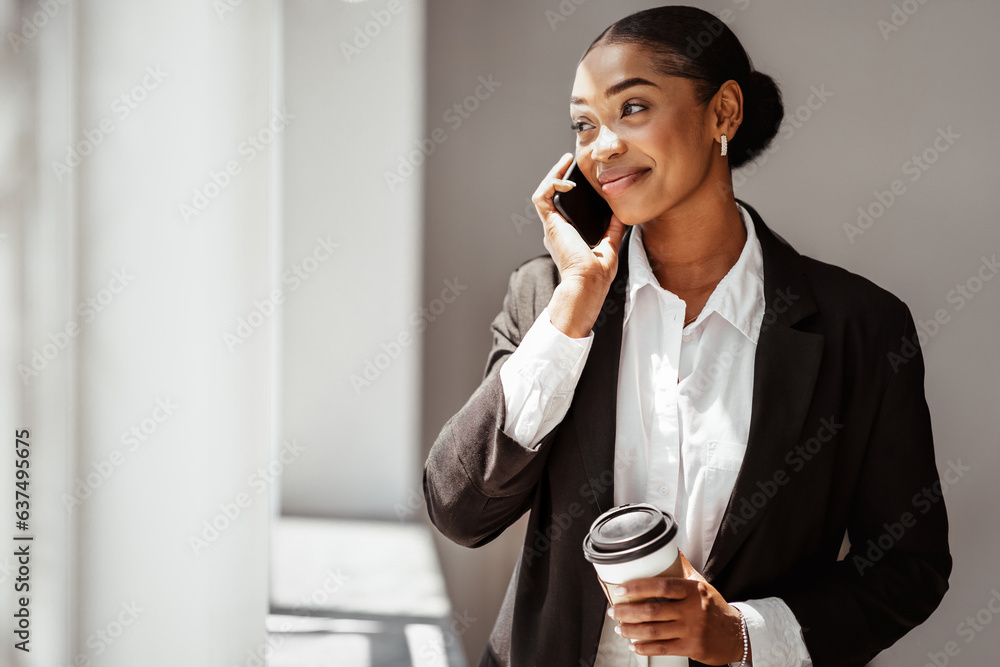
{"points": [[631, 105], [627, 109]]}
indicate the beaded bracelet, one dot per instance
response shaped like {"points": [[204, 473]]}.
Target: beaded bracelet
{"points": [[746, 640]]}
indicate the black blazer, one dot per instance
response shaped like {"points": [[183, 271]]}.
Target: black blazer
{"points": [[840, 440]]}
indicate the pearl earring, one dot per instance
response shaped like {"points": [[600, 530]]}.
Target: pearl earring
{"points": [[724, 144]]}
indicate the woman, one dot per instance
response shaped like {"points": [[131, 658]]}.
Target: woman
{"points": [[694, 360]]}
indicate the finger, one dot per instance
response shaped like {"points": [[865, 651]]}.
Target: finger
{"points": [[559, 168], [542, 197], [555, 174], [612, 239], [663, 647], [646, 611], [671, 588], [652, 631], [688, 569]]}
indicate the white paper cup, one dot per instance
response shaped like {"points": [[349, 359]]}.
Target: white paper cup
{"points": [[634, 541]]}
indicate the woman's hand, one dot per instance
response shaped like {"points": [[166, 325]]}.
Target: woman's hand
{"points": [[585, 274], [687, 617]]}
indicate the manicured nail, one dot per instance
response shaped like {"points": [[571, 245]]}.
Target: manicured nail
{"points": [[631, 647], [620, 590], [611, 612], [618, 629]]}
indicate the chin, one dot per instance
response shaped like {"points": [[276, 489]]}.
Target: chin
{"points": [[632, 215]]}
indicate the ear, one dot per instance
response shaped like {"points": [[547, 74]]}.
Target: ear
{"points": [[726, 110]]}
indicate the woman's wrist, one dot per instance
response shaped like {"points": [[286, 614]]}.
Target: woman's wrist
{"points": [[574, 307]]}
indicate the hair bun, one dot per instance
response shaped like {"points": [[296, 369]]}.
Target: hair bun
{"points": [[763, 112]]}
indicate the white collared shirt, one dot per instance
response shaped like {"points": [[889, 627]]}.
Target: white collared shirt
{"points": [[683, 417]]}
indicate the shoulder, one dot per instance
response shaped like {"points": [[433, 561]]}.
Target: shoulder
{"points": [[867, 318], [848, 292], [531, 286]]}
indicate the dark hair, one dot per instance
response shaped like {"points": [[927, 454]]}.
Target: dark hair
{"points": [[693, 44]]}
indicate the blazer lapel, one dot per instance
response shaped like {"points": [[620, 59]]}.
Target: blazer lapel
{"points": [[786, 366], [593, 412]]}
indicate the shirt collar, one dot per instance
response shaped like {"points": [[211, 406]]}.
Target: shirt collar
{"points": [[738, 298]]}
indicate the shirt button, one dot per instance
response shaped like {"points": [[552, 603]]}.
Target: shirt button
{"points": [[665, 490], [687, 338]]}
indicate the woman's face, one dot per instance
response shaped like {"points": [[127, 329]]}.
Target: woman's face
{"points": [[642, 139]]}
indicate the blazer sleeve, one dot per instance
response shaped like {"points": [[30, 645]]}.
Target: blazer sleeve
{"points": [[897, 569], [477, 480]]}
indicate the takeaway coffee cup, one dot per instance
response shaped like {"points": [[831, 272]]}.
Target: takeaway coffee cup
{"points": [[631, 542]]}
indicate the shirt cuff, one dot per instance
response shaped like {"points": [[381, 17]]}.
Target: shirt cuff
{"points": [[539, 378], [775, 634]]}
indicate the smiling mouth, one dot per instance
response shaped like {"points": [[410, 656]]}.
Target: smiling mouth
{"points": [[619, 185]]}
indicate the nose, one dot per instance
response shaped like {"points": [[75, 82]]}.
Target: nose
{"points": [[606, 144]]}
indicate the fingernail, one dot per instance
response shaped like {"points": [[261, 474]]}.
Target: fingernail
{"points": [[618, 629], [611, 612], [631, 647], [620, 590]]}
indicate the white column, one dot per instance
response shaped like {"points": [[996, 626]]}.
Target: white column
{"points": [[150, 426]]}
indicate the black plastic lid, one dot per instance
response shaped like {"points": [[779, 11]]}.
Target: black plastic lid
{"points": [[627, 533]]}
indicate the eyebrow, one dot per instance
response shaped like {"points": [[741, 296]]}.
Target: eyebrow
{"points": [[617, 88]]}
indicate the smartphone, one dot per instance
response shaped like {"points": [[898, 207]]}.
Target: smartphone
{"points": [[583, 207]]}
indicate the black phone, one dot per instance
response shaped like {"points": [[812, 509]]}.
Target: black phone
{"points": [[583, 207]]}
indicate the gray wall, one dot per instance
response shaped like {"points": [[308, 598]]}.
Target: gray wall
{"points": [[889, 96]]}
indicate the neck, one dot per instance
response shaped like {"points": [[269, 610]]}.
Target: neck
{"points": [[693, 245]]}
